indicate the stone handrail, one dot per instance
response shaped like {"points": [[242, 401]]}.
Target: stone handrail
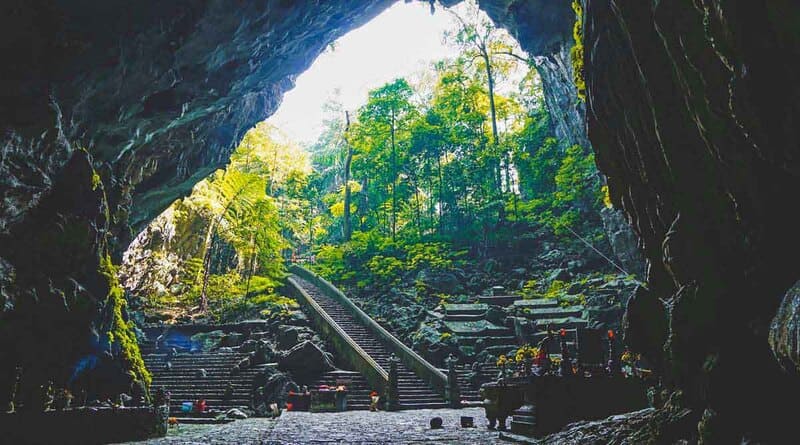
{"points": [[427, 372], [348, 349]]}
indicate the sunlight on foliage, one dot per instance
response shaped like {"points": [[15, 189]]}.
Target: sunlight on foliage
{"points": [[576, 53]]}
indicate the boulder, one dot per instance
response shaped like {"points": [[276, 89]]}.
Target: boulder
{"points": [[559, 275], [232, 339], [206, 341], [272, 387], [305, 359], [264, 353], [234, 413], [260, 335], [438, 281], [288, 336], [297, 318], [248, 346], [784, 333], [496, 315]]}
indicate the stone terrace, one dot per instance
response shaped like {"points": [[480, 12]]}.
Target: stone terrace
{"points": [[350, 427]]}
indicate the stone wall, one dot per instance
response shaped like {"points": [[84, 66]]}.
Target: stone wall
{"points": [[84, 426], [692, 113]]}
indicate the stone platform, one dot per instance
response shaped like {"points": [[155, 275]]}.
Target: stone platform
{"points": [[350, 427]]}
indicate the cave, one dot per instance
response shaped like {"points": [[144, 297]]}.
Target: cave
{"points": [[110, 112]]}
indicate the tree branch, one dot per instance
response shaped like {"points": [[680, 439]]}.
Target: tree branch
{"points": [[516, 56]]}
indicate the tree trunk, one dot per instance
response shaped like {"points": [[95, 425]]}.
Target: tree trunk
{"points": [[441, 194], [346, 226], [206, 264], [394, 183], [495, 139]]}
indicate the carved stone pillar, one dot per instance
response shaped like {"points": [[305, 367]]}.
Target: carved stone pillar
{"points": [[453, 390], [392, 390]]}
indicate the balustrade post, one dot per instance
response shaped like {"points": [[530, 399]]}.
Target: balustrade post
{"points": [[453, 390], [392, 390]]}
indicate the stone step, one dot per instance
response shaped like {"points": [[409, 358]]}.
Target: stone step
{"points": [[438, 405], [465, 309], [499, 300], [488, 341], [464, 317], [537, 303], [415, 389], [558, 323], [553, 312]]}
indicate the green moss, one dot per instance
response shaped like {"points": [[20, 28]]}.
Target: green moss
{"points": [[557, 289], [576, 53], [530, 290], [96, 181], [121, 334]]}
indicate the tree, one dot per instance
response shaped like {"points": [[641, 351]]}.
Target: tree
{"points": [[494, 50], [386, 112], [348, 231], [227, 196]]}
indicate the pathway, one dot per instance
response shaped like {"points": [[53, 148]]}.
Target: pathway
{"points": [[349, 427]]}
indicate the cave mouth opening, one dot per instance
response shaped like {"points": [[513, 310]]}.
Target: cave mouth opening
{"points": [[438, 78], [469, 160]]}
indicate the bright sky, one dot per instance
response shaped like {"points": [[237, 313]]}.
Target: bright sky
{"points": [[402, 40]]}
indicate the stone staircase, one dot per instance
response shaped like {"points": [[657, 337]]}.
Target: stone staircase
{"points": [[414, 393], [184, 385], [541, 313], [357, 387], [470, 392]]}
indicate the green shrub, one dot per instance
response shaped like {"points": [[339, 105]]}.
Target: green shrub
{"points": [[576, 53]]}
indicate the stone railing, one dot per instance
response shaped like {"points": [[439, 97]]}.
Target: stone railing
{"points": [[349, 351], [433, 376]]}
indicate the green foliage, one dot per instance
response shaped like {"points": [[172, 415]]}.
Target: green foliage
{"points": [[433, 256], [577, 193], [121, 335], [386, 269], [229, 299], [530, 290], [96, 181], [379, 261], [576, 52], [556, 289]]}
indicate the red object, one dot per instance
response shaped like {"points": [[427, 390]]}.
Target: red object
{"points": [[610, 334], [563, 332], [289, 406], [540, 358], [373, 394], [291, 393], [200, 406]]}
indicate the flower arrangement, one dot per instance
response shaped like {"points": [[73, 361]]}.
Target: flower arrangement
{"points": [[526, 351], [502, 361]]}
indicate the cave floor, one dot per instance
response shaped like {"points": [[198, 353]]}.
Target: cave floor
{"points": [[351, 427]]}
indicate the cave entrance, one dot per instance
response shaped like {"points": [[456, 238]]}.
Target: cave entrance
{"points": [[398, 161], [439, 185]]}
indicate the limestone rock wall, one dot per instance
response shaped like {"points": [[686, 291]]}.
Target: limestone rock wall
{"points": [[784, 334], [692, 111]]}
